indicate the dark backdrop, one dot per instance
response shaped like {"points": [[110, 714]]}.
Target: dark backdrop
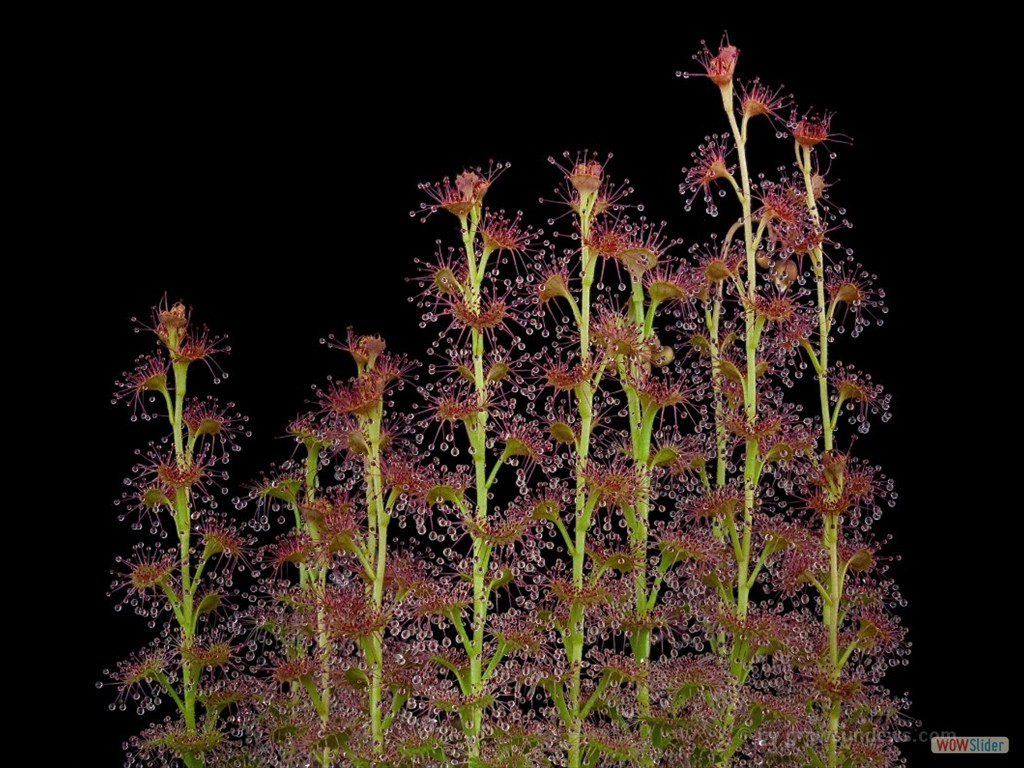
{"points": [[266, 178]]}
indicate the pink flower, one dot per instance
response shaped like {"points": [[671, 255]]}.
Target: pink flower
{"points": [[812, 128], [463, 195], [721, 66]]}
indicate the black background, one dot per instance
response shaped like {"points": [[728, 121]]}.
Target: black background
{"points": [[265, 177]]}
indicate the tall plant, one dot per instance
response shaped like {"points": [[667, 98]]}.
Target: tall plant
{"points": [[330, 607], [787, 279], [470, 403], [181, 577]]}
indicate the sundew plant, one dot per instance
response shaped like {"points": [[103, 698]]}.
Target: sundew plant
{"points": [[612, 514]]}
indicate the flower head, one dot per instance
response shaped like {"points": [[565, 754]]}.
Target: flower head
{"points": [[168, 322], [853, 294], [757, 99], [364, 349], [718, 67], [860, 395], [148, 377], [138, 677], [586, 176], [616, 483], [588, 189], [148, 571], [812, 128], [214, 427], [465, 194], [503, 233], [709, 163], [781, 203], [637, 246]]}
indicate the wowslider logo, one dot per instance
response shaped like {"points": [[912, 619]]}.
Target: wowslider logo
{"points": [[974, 745]]}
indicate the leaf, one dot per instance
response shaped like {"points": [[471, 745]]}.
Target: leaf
{"points": [[516, 447], [730, 371], [208, 427], [440, 493], [356, 677], [665, 456], [716, 271], [502, 579], [683, 694], [674, 551], [554, 286], [861, 560], [658, 737], [545, 510], [335, 740], [357, 443], [211, 548], [154, 498], [562, 432], [778, 452], [621, 562], [497, 372], [662, 356], [663, 290], [756, 715], [209, 604], [285, 490], [776, 543], [700, 341], [431, 751]]}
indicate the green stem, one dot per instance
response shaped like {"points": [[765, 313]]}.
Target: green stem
{"points": [[376, 693], [377, 509], [641, 421], [751, 464], [460, 630], [713, 320], [161, 678], [177, 416], [832, 620], [595, 696], [821, 589], [320, 692], [185, 610], [324, 653], [570, 546], [584, 506], [751, 460], [499, 654], [761, 560], [477, 433], [824, 324], [831, 525]]}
